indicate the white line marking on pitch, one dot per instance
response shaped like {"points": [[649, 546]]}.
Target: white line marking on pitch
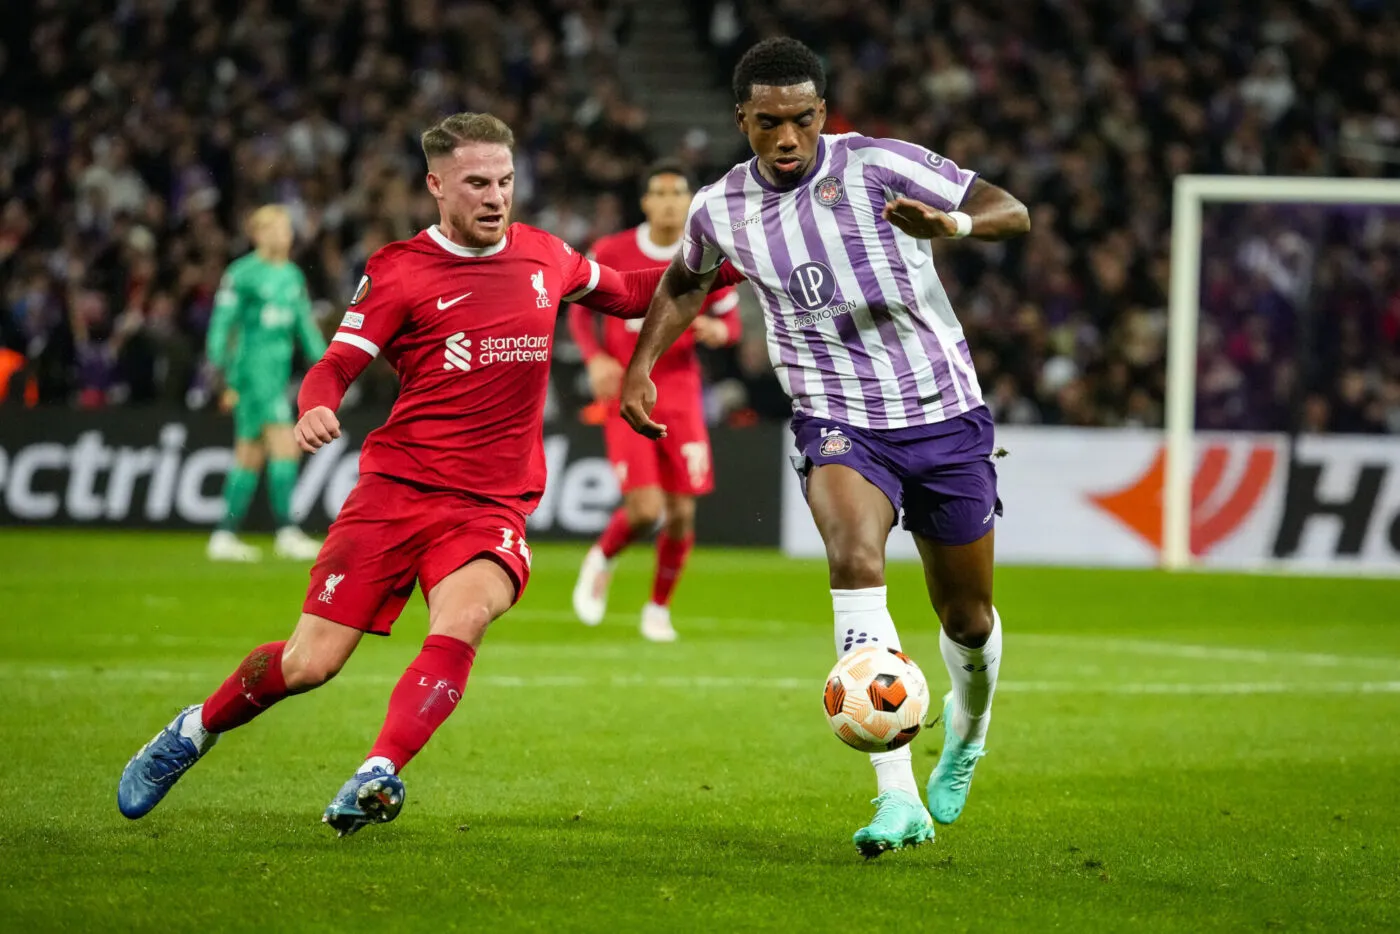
{"points": [[1109, 644], [1187, 688]]}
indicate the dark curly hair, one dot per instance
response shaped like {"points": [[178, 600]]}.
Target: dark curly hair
{"points": [[779, 62]]}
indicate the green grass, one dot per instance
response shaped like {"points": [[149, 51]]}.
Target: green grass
{"points": [[1188, 753]]}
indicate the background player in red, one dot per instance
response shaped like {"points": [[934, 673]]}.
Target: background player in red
{"points": [[465, 312], [660, 479]]}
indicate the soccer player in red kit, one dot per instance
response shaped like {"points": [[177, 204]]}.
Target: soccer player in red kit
{"points": [[465, 312], [660, 479]]}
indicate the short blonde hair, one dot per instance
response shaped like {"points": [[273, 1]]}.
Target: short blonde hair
{"points": [[265, 214], [450, 132]]}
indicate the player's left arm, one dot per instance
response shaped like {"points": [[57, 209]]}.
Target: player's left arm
{"points": [[313, 343], [987, 213], [627, 294], [930, 196]]}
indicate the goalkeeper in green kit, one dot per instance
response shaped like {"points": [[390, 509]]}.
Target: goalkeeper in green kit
{"points": [[261, 310]]}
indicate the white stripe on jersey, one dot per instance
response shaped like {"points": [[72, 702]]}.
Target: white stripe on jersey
{"points": [[891, 367], [355, 340], [823, 336], [793, 378], [593, 275]]}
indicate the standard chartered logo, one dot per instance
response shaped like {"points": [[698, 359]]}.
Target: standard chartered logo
{"points": [[457, 355], [460, 353]]}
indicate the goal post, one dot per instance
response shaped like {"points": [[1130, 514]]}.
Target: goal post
{"points": [[1190, 193]]}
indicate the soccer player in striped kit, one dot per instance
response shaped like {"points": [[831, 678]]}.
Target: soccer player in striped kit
{"points": [[832, 231]]}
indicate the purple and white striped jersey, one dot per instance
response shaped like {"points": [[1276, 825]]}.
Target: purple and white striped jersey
{"points": [[860, 329]]}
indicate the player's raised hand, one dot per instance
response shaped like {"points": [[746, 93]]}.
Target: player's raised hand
{"points": [[919, 220], [638, 399], [316, 428], [604, 377]]}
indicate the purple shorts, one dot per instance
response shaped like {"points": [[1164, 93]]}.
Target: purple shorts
{"points": [[940, 476]]}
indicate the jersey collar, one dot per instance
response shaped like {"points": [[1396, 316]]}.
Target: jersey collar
{"points": [[457, 249], [651, 250], [818, 164]]}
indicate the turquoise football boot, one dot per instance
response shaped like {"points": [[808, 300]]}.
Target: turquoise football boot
{"points": [[952, 777], [900, 820]]}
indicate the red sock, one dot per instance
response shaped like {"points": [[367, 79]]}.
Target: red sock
{"points": [[616, 536], [256, 685], [670, 561], [428, 691]]}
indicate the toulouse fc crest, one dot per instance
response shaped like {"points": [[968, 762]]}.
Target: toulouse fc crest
{"points": [[834, 445], [829, 191]]}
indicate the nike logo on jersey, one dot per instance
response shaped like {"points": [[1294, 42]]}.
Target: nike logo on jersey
{"points": [[442, 304]]}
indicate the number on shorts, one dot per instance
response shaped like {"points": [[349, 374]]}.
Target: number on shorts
{"points": [[697, 461], [509, 543]]}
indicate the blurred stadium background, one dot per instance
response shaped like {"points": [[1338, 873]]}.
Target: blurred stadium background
{"points": [[136, 136]]}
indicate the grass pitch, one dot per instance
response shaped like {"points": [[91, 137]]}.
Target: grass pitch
{"points": [[1187, 753]]}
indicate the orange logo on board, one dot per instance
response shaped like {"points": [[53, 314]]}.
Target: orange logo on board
{"points": [[1139, 506]]}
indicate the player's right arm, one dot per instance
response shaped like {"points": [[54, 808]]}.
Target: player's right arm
{"points": [[678, 299], [377, 313], [223, 325]]}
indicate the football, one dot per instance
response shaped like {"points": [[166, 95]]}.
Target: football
{"points": [[875, 699]]}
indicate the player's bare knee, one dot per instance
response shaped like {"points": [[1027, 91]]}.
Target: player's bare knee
{"points": [[857, 565], [302, 672], [250, 455], [643, 511], [466, 621], [967, 622], [680, 517]]}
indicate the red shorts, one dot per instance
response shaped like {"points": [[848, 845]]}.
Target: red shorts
{"points": [[390, 535], [678, 463]]}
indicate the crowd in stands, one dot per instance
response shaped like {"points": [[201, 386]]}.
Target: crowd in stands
{"points": [[1087, 110], [135, 135]]}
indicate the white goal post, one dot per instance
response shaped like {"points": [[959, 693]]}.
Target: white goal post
{"points": [[1183, 312]]}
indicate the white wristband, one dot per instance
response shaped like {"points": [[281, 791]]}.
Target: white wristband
{"points": [[964, 223]]}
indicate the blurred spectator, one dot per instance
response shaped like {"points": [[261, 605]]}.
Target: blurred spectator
{"points": [[135, 136]]}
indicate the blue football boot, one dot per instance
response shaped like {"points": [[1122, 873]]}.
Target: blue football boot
{"points": [[371, 796], [158, 765]]}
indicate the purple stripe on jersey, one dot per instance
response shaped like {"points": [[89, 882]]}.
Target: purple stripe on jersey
{"points": [[943, 371], [870, 288], [702, 231], [969, 391], [907, 183], [780, 260], [871, 390], [787, 347]]}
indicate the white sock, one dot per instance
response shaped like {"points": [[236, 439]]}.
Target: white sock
{"points": [[862, 619], [895, 769], [192, 729], [381, 761], [974, 676]]}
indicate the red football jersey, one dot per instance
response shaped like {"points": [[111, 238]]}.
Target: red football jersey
{"points": [[677, 373], [469, 332]]}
